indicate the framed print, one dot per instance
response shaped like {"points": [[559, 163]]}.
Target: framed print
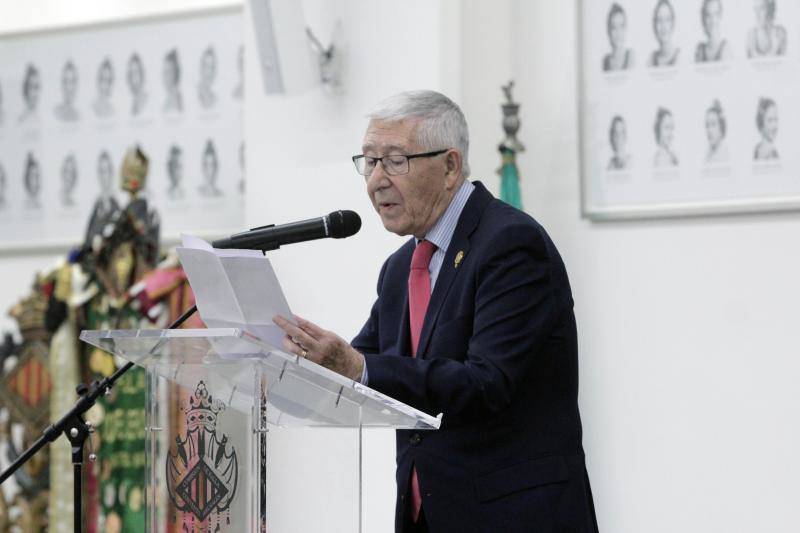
{"points": [[689, 107], [73, 100]]}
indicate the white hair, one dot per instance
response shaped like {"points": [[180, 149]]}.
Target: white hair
{"points": [[442, 124]]}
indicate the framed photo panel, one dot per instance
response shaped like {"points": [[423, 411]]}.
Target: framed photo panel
{"points": [[73, 100], [689, 107]]}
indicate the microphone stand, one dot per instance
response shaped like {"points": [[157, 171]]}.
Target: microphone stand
{"points": [[73, 426]]}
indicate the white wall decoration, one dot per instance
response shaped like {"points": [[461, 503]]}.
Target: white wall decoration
{"points": [[73, 100], [689, 107]]}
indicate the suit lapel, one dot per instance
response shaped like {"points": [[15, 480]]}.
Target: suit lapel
{"points": [[403, 334], [467, 222]]}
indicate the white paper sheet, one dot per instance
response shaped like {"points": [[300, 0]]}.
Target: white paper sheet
{"points": [[235, 288]]}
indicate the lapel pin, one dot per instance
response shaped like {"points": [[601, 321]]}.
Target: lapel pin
{"points": [[459, 258]]}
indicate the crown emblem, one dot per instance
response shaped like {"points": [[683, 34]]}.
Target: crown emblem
{"points": [[202, 468], [203, 409]]}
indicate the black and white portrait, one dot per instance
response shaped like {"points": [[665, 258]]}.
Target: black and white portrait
{"points": [[210, 170], [664, 29], [766, 39], [716, 132], [105, 206], [618, 139], [31, 91], [3, 186], [105, 174], [103, 106], [175, 173], [171, 73], [69, 180], [767, 123], [208, 74], [32, 182], [715, 48], [665, 135], [136, 84], [620, 57], [66, 110], [238, 90]]}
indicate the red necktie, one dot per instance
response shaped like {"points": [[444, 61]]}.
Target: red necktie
{"points": [[419, 294]]}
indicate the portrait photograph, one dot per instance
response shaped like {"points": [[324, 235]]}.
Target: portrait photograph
{"points": [[206, 93], [666, 55], [175, 173], [209, 171], [767, 124], [618, 140], [173, 102], [102, 104], [135, 76], [766, 38], [69, 181], [32, 182], [664, 136], [715, 47], [31, 91], [716, 125], [65, 110]]}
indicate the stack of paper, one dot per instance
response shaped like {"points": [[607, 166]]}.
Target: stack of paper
{"points": [[235, 288]]}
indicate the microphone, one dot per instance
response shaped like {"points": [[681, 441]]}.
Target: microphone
{"points": [[339, 224]]}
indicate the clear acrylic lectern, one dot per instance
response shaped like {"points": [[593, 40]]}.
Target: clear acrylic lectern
{"points": [[212, 395]]}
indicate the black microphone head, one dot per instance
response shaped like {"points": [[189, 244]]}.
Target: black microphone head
{"points": [[344, 224]]}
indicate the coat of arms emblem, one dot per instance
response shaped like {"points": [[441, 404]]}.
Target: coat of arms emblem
{"points": [[202, 468]]}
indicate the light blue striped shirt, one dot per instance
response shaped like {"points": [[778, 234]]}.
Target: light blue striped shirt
{"points": [[441, 234]]}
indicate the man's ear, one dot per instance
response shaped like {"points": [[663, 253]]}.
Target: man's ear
{"points": [[453, 165]]}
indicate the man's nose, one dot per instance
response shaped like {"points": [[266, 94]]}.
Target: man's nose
{"points": [[378, 177]]}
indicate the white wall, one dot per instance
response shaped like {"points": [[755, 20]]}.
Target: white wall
{"points": [[298, 166], [17, 268], [688, 338], [688, 329]]}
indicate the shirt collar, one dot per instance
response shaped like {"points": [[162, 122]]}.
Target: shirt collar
{"points": [[442, 232]]}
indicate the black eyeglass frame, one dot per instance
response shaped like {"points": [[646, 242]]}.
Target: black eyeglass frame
{"points": [[356, 158]]}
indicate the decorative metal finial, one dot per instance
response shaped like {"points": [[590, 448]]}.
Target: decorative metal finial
{"points": [[509, 148], [511, 122]]}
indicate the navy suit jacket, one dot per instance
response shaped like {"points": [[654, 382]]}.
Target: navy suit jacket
{"points": [[498, 357]]}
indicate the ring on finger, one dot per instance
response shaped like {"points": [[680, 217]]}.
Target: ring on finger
{"points": [[304, 353]]}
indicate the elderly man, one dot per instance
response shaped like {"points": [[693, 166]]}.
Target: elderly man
{"points": [[474, 320]]}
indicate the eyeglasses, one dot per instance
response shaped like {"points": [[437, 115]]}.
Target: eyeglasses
{"points": [[394, 165]]}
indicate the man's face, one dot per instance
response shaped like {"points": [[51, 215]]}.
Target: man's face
{"points": [[411, 203]]}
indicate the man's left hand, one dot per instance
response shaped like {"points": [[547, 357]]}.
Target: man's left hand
{"points": [[321, 346]]}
